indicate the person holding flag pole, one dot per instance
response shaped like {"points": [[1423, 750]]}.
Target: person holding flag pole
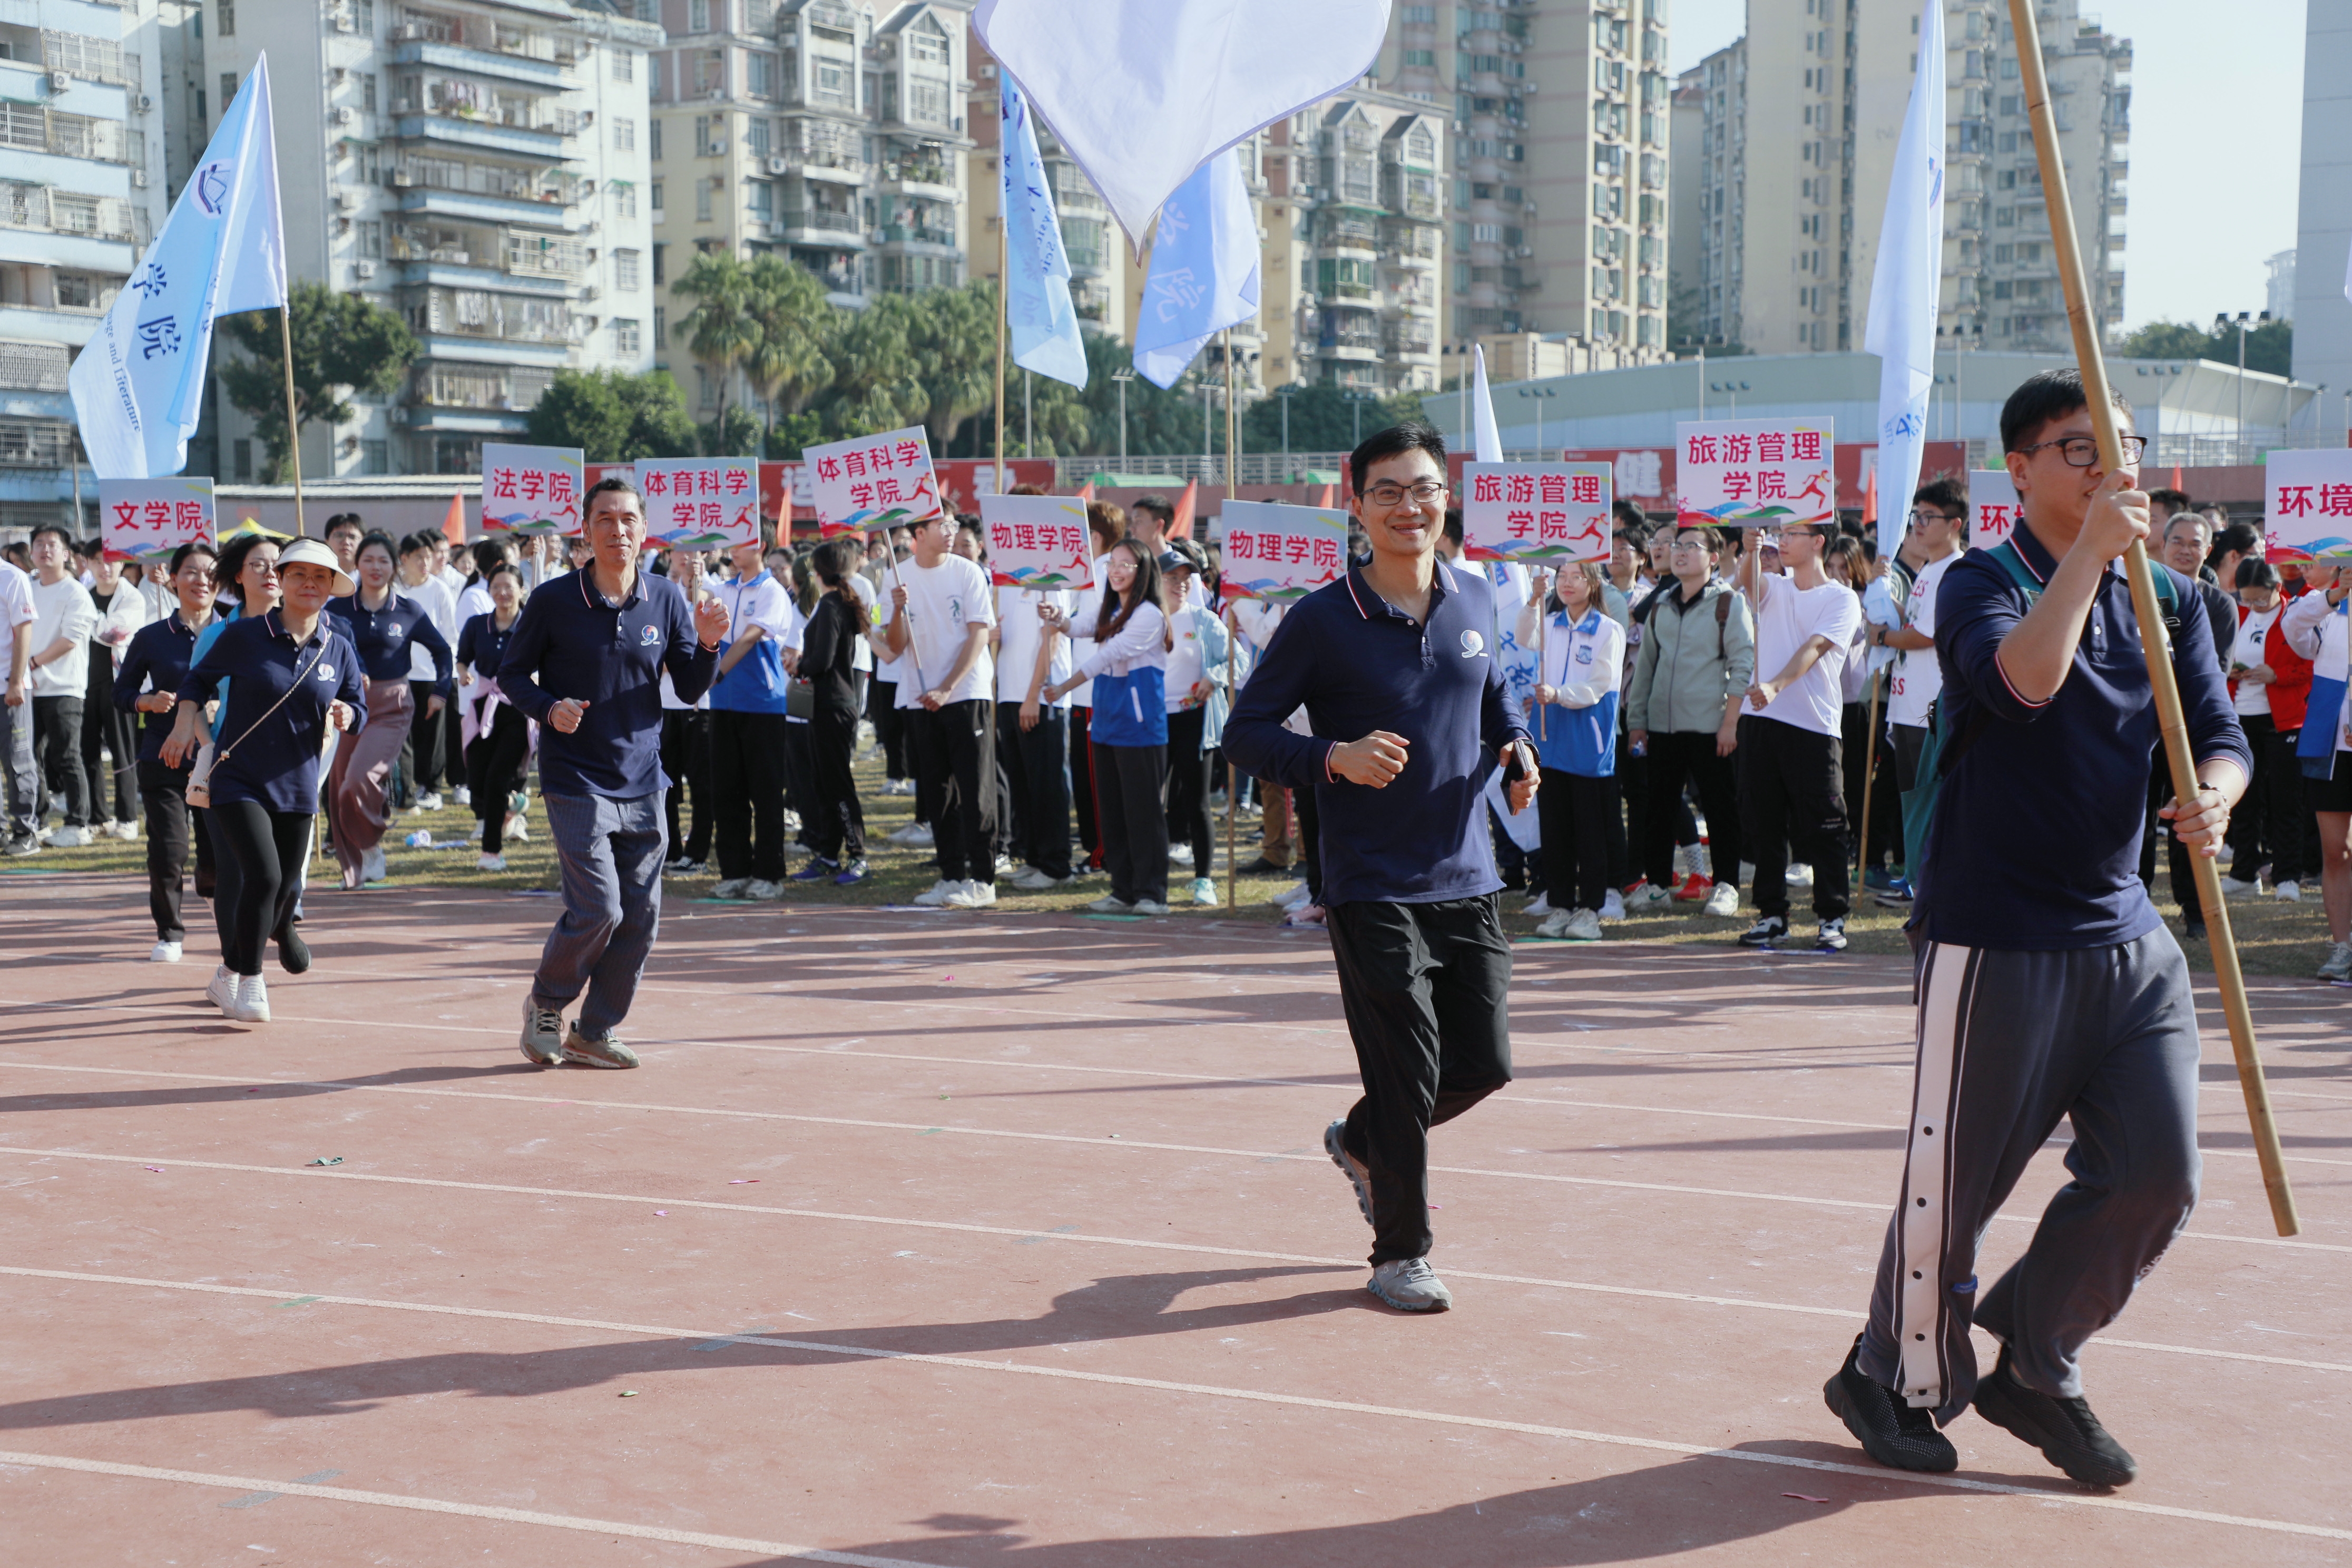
{"points": [[2047, 986]]}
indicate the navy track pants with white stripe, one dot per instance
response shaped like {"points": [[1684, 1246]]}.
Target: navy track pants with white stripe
{"points": [[2009, 1043]]}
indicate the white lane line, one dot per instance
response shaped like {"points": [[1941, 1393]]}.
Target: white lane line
{"points": [[1862, 1205], [479, 1511], [1163, 1385]]}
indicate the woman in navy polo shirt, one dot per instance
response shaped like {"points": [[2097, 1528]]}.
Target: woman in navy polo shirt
{"points": [[1129, 665], [385, 628], [289, 677], [154, 665]]}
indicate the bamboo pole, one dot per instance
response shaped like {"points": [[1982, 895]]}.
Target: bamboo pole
{"points": [[1003, 327], [293, 423], [2228, 978], [1869, 778], [1232, 773]]}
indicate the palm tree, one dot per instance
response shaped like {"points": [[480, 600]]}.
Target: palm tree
{"points": [[954, 336], [719, 329], [795, 323]]}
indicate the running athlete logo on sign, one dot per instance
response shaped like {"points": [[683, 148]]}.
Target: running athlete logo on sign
{"points": [[1755, 473]]}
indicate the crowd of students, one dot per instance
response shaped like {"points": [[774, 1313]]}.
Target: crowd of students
{"points": [[1702, 713]]}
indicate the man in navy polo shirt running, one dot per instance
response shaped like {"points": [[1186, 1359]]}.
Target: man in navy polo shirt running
{"points": [[1399, 654], [586, 660], [2047, 987]]}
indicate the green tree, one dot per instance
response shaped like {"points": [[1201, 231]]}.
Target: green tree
{"points": [[613, 417], [735, 433], [787, 365], [2268, 347], [720, 329], [1323, 419], [951, 333], [342, 345]]}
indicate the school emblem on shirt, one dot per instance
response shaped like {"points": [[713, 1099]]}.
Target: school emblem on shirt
{"points": [[648, 637], [327, 674], [1472, 644]]}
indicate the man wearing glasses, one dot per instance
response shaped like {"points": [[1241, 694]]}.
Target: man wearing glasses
{"points": [[2047, 987], [1399, 654], [1939, 519]]}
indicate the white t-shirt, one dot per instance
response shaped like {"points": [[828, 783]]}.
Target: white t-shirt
{"points": [[1187, 657], [1815, 699], [1019, 631], [441, 609], [946, 600], [15, 611], [2253, 696], [861, 657], [1918, 677], [62, 609]]}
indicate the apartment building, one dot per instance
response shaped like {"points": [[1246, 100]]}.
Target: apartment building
{"points": [[84, 192], [1559, 115], [1798, 124], [830, 131], [480, 167]]}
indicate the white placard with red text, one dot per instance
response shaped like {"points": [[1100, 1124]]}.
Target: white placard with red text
{"points": [[874, 481], [530, 489], [1755, 473], [147, 520], [1992, 507], [700, 503], [2307, 504], [1280, 553], [1536, 513], [1037, 542]]}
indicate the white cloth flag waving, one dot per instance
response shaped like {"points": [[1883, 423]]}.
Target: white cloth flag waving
{"points": [[1485, 436], [1902, 328], [1203, 269], [138, 385], [1037, 283], [1142, 92]]}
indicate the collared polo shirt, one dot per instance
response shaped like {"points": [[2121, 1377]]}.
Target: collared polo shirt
{"points": [[269, 756], [2035, 842], [388, 635], [570, 642], [156, 658], [1358, 664]]}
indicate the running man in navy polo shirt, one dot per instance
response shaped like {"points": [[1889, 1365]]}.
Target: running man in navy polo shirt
{"points": [[586, 661], [1399, 654], [2047, 987]]}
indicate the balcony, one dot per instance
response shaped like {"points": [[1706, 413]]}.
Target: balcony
{"points": [[927, 179], [547, 212], [916, 234], [531, 72], [1349, 234], [35, 443], [818, 225], [488, 135], [29, 128]]}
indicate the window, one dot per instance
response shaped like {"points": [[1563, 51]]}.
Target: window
{"points": [[227, 20], [755, 136], [833, 85], [654, 199], [926, 48], [660, 255], [1420, 16], [661, 320], [625, 337], [697, 16], [710, 70], [228, 89], [762, 74], [702, 200], [367, 19], [927, 102], [375, 457], [653, 131], [624, 198], [371, 235], [1420, 58], [367, 91], [625, 65], [626, 269], [625, 135], [241, 458]]}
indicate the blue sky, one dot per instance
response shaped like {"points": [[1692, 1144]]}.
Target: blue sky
{"points": [[2217, 125]]}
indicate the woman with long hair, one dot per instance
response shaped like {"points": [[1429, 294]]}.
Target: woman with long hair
{"points": [[835, 827], [500, 738], [385, 629], [1581, 675], [1129, 667], [286, 678], [154, 667], [1105, 526]]}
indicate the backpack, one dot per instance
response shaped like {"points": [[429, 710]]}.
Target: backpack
{"points": [[1941, 752]]}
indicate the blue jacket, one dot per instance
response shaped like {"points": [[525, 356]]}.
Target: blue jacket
{"points": [[1584, 660]]}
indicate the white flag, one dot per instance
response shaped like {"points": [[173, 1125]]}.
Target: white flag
{"points": [[1204, 270], [1902, 328], [1485, 436], [1142, 92], [138, 384]]}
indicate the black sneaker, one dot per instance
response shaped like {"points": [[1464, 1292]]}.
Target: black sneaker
{"points": [[1889, 1431], [293, 953], [1765, 931], [1832, 936], [2065, 1431]]}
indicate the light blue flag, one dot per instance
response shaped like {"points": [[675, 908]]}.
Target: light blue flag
{"points": [[1902, 326], [138, 385], [1203, 269], [1037, 271]]}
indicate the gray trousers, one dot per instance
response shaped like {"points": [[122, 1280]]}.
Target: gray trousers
{"points": [[611, 855], [24, 787], [2009, 1043]]}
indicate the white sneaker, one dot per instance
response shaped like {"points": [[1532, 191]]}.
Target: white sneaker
{"points": [[1555, 924], [1539, 905], [1583, 925], [251, 1003], [2233, 889], [792, 820], [1110, 904], [128, 832], [222, 989], [973, 894], [164, 953], [67, 838], [761, 888], [1204, 891], [914, 835], [936, 894], [1030, 880], [474, 834], [373, 868], [1648, 897], [517, 830], [491, 863], [733, 887], [2291, 892], [1612, 907], [1799, 875], [428, 801], [1148, 907], [461, 795], [1294, 896], [1724, 902], [1180, 854], [2338, 965]]}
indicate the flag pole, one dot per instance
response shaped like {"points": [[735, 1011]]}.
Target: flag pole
{"points": [[1004, 317], [2228, 977], [1233, 772], [293, 424]]}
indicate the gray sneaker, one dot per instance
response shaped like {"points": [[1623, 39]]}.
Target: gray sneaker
{"points": [[1409, 1285], [2339, 962], [542, 1035], [1359, 1175], [608, 1052]]}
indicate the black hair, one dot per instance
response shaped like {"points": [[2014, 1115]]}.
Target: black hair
{"points": [[343, 520], [193, 547], [609, 483], [58, 528], [1412, 436], [1453, 529], [836, 560], [488, 554], [502, 566], [2240, 537], [1629, 515], [2177, 499], [2044, 396], [1158, 506], [1114, 615], [1713, 538], [1945, 494], [2254, 572], [376, 536], [416, 542], [229, 565]]}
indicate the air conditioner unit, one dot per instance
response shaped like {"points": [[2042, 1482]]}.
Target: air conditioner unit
{"points": [[779, 164], [587, 117], [1526, 250], [59, 81], [407, 32], [139, 178], [343, 116], [589, 291], [146, 104], [345, 201], [402, 179], [344, 25], [362, 270]]}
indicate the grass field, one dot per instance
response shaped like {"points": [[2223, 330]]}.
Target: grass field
{"points": [[2274, 938]]}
